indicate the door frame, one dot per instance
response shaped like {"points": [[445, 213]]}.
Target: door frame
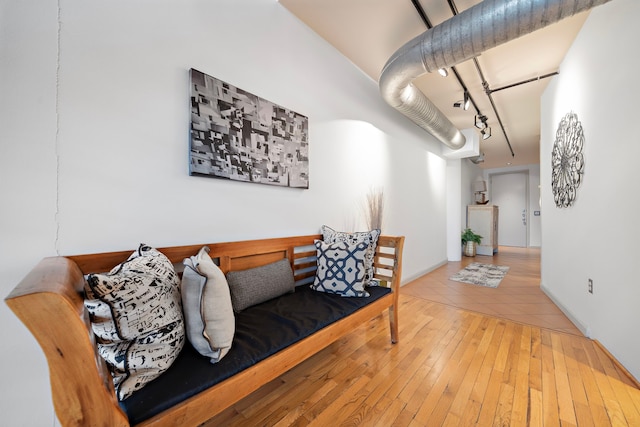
{"points": [[525, 173]]}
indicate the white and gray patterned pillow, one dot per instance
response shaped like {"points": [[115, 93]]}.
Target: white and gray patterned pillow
{"points": [[206, 301], [330, 235], [255, 285], [341, 268], [136, 315]]}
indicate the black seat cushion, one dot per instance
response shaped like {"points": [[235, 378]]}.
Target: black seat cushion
{"points": [[261, 331]]}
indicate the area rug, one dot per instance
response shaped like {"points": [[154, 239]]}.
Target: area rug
{"points": [[476, 273]]}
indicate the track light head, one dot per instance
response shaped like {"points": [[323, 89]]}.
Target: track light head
{"points": [[481, 121], [486, 133], [443, 72], [464, 103]]}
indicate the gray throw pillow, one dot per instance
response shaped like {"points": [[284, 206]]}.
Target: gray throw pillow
{"points": [[260, 284], [206, 302]]}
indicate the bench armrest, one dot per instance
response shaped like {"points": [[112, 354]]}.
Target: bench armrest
{"points": [[49, 302]]}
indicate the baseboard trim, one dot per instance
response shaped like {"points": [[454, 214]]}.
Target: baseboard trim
{"points": [[587, 332], [618, 364], [423, 272], [581, 326]]}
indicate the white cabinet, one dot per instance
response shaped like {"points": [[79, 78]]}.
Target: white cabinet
{"points": [[483, 220]]}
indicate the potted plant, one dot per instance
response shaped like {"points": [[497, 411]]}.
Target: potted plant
{"points": [[469, 242]]}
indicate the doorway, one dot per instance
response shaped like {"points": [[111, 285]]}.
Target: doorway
{"points": [[509, 191]]}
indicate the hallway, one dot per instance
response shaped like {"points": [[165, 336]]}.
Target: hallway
{"points": [[518, 297]]}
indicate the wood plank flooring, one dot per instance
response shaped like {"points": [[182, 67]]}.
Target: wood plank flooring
{"points": [[518, 297], [452, 367]]}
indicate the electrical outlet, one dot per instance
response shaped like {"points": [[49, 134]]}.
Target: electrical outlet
{"points": [[590, 288]]}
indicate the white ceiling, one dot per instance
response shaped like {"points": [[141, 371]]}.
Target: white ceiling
{"points": [[368, 32]]}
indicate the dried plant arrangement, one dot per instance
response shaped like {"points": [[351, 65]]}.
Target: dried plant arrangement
{"points": [[374, 208]]}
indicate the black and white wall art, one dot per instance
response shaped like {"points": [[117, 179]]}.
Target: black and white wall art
{"points": [[239, 136], [567, 161]]}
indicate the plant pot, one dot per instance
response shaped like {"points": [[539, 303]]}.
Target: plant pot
{"points": [[469, 248]]}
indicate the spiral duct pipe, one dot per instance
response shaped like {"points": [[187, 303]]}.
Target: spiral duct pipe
{"points": [[466, 35]]}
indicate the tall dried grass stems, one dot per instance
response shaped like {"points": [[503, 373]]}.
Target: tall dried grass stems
{"points": [[349, 224], [374, 209]]}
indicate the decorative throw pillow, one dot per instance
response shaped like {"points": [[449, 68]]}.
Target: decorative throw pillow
{"points": [[341, 268], [136, 315], [206, 302], [330, 235], [260, 284]]}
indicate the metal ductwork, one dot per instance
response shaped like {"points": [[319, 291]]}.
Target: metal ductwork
{"points": [[466, 35]]}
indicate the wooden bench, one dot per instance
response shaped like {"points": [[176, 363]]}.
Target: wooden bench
{"points": [[49, 301]]}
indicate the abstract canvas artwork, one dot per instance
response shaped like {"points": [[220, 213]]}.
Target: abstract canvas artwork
{"points": [[239, 136]]}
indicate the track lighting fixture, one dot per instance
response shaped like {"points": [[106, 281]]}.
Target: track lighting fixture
{"points": [[464, 104], [481, 121], [443, 72]]}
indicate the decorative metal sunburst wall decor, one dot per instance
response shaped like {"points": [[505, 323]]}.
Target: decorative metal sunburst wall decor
{"points": [[567, 161]]}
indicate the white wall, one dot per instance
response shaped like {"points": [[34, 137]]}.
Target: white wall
{"points": [[455, 210], [470, 173], [461, 173], [597, 237], [94, 146], [27, 190]]}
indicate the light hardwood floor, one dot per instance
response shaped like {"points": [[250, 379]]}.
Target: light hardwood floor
{"points": [[518, 297], [452, 367]]}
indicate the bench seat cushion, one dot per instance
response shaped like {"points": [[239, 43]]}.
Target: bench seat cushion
{"points": [[261, 331]]}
